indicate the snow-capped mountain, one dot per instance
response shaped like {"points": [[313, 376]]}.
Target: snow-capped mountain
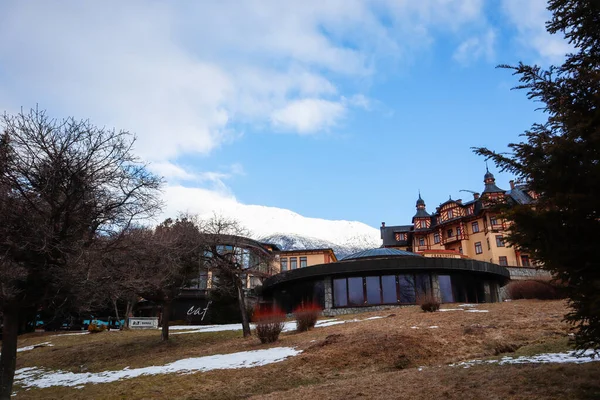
{"points": [[298, 242], [264, 221]]}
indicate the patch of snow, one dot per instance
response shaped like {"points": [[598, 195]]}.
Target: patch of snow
{"points": [[476, 311], [374, 318], [33, 346], [451, 309], [434, 327], [42, 378], [414, 327], [71, 334], [567, 357], [468, 305]]}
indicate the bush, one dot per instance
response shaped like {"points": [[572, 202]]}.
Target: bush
{"points": [[95, 328], [428, 303], [306, 316], [534, 289], [269, 324]]}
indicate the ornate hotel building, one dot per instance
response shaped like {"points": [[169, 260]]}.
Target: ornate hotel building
{"points": [[460, 229]]}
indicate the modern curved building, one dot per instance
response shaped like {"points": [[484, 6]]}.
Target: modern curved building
{"points": [[384, 277]]}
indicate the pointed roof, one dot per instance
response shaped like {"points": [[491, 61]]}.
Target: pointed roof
{"points": [[421, 211], [490, 183]]}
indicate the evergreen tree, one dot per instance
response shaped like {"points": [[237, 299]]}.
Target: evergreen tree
{"points": [[559, 160]]}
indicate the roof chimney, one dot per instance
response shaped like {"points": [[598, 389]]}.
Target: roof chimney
{"points": [[475, 196], [383, 224], [512, 184], [459, 201]]}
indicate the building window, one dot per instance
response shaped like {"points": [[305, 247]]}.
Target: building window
{"points": [[283, 263], [373, 289], [493, 221], [400, 237], [421, 241], [478, 249], [436, 238], [503, 261], [470, 210], [475, 227], [525, 261], [450, 214], [340, 293], [388, 289], [356, 296], [423, 224], [407, 289], [499, 241], [293, 262], [450, 233], [446, 288], [303, 262], [458, 231]]}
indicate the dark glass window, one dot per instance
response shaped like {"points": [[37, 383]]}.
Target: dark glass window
{"points": [[446, 288], [340, 293], [450, 233], [407, 289], [493, 221], [421, 241], [475, 227], [303, 262], [450, 214], [356, 295], [373, 290], [503, 261], [422, 284], [499, 241], [423, 224], [458, 231], [478, 249], [293, 262], [436, 238], [525, 261], [388, 286], [283, 264]]}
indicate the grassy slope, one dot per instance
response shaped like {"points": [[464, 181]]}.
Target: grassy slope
{"points": [[369, 359]]}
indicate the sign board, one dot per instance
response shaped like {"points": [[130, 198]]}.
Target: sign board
{"points": [[143, 323]]}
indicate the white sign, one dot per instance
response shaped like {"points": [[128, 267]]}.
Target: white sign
{"points": [[143, 323]]}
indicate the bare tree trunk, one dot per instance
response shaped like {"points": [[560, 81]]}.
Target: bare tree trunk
{"points": [[8, 358], [166, 315], [128, 311], [117, 313], [242, 302]]}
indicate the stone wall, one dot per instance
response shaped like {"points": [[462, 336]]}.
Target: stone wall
{"points": [[522, 273], [333, 312]]}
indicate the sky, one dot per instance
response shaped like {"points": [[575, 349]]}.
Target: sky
{"points": [[334, 109]]}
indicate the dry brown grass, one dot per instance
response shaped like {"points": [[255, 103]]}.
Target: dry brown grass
{"points": [[376, 358]]}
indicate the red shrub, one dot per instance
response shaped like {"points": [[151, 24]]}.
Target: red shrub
{"points": [[306, 316], [269, 323], [534, 289]]}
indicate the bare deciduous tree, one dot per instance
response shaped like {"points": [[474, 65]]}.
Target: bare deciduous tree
{"points": [[234, 259], [63, 185]]}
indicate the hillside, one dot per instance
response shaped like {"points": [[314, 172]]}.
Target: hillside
{"points": [[396, 353]]}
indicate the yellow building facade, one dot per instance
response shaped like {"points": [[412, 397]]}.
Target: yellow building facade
{"points": [[460, 229]]}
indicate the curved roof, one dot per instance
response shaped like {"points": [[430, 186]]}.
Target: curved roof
{"points": [[390, 265], [380, 252]]}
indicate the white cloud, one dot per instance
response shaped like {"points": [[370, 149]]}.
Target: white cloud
{"points": [[475, 48], [308, 115], [179, 75], [529, 17]]}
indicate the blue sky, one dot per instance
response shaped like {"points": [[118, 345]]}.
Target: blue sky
{"points": [[332, 109]]}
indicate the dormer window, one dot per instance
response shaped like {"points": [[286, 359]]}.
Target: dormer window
{"points": [[423, 224], [400, 237], [450, 214]]}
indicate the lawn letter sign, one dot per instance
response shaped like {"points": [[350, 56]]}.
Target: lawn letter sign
{"points": [[143, 323]]}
